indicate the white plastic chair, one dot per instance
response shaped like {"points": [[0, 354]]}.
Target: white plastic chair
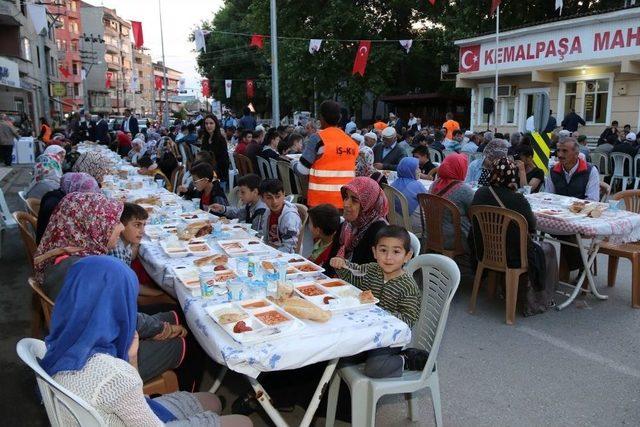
{"points": [[264, 168], [233, 171], [474, 156], [636, 170], [440, 279], [274, 168], [601, 161], [54, 395], [620, 160], [23, 197], [400, 217], [435, 155], [415, 244]]}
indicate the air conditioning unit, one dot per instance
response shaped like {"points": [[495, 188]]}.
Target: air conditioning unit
{"points": [[506, 91]]}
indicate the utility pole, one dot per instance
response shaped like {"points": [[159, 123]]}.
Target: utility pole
{"points": [[90, 58], [275, 90], [165, 119]]}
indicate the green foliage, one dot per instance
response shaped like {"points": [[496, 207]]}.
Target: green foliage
{"points": [[390, 70]]}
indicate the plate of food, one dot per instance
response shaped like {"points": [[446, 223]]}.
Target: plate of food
{"points": [[335, 295], [197, 215], [254, 320], [156, 231], [189, 276], [215, 260], [174, 249], [244, 247], [199, 247]]}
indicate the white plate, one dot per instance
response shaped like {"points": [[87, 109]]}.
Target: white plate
{"points": [[175, 249]]}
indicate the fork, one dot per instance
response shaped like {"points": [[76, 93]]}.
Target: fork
{"points": [[355, 273]]}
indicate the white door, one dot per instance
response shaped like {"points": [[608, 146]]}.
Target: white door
{"points": [[525, 105]]}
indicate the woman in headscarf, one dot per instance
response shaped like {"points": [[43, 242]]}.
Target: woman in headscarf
{"points": [[124, 143], [46, 177], [450, 185], [94, 163], [71, 182], [92, 350], [502, 192], [407, 183], [138, 149], [365, 211], [87, 224], [167, 159], [480, 169], [57, 153], [364, 162]]}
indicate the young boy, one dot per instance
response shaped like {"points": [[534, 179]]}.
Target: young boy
{"points": [[134, 218], [324, 222], [281, 224], [398, 294], [253, 207], [421, 153]]}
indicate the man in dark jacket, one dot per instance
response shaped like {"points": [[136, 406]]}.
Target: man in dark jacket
{"points": [[552, 123], [572, 121], [247, 122], [612, 130], [130, 124], [102, 130], [387, 155]]}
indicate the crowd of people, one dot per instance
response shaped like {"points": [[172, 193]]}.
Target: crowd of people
{"points": [[88, 260]]}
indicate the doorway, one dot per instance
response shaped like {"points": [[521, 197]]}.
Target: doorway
{"points": [[526, 104]]}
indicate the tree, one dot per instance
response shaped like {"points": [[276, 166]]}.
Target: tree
{"points": [[390, 70]]}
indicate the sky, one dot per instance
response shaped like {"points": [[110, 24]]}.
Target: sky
{"points": [[179, 19]]}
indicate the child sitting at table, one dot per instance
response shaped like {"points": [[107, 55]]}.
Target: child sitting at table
{"points": [[253, 208], [324, 222], [150, 168], [207, 186], [398, 294], [282, 223]]}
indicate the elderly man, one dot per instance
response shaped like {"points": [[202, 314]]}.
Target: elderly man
{"points": [[370, 139], [388, 154], [573, 176]]}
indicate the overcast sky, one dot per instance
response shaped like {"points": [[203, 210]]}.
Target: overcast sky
{"points": [[179, 19]]}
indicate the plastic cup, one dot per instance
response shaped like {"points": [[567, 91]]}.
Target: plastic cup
{"points": [[235, 288], [196, 204], [527, 190]]}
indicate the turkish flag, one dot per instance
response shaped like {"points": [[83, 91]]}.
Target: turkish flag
{"points": [[107, 80], [251, 88], [257, 41], [206, 91], [136, 26], [360, 63], [158, 82], [433, 2], [469, 58], [64, 71], [494, 5]]}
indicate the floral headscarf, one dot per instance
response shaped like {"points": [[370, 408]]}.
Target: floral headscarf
{"points": [[495, 149], [504, 174], [374, 206], [79, 182], [364, 162], [47, 170], [94, 163], [56, 152], [85, 220]]}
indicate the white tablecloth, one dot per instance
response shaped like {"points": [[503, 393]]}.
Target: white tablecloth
{"points": [[346, 334]]}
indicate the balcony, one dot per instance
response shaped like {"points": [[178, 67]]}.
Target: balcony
{"points": [[112, 48]]}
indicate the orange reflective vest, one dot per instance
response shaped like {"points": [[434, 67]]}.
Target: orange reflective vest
{"points": [[46, 137], [333, 169]]}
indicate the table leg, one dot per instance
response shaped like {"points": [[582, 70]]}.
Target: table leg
{"points": [[273, 413], [588, 256], [218, 382]]}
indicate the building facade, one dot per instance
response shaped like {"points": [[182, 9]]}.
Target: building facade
{"points": [[172, 89], [143, 102], [28, 62], [118, 57], [590, 64], [67, 38], [92, 52]]}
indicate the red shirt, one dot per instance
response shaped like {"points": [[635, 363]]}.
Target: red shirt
{"points": [[274, 236], [241, 148]]}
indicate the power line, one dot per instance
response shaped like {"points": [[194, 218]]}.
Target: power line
{"points": [[231, 33]]}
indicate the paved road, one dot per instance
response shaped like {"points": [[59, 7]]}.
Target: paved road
{"points": [[575, 367]]}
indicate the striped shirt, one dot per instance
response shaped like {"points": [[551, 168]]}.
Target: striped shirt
{"points": [[400, 296]]}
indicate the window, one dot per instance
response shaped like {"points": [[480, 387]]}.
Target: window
{"points": [[74, 68], [596, 96], [76, 89], [26, 49], [74, 6], [508, 110], [571, 93]]}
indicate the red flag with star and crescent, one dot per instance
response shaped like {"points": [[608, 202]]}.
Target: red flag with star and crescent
{"points": [[469, 59], [433, 2], [206, 90], [257, 40], [360, 63], [250, 88], [494, 5]]}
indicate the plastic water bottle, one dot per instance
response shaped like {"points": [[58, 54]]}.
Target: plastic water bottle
{"points": [[242, 265], [206, 283]]}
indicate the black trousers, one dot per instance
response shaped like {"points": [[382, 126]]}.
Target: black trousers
{"points": [[6, 154]]}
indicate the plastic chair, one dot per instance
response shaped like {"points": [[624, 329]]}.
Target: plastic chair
{"points": [[601, 161], [243, 163], [402, 218], [605, 192], [23, 196], [630, 251], [415, 244], [622, 169], [284, 172], [33, 206], [233, 171], [304, 216], [55, 396], [176, 178], [440, 278], [264, 168], [41, 309], [28, 225], [435, 155], [433, 210], [274, 168], [492, 225], [636, 169]]}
